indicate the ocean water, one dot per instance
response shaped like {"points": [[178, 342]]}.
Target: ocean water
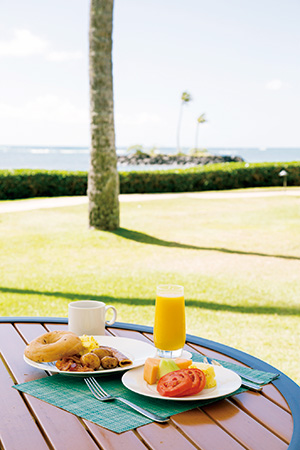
{"points": [[77, 158]]}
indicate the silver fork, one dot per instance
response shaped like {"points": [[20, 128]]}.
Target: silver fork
{"points": [[103, 396], [247, 384]]}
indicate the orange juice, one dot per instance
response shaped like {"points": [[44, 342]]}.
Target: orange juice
{"points": [[169, 324]]}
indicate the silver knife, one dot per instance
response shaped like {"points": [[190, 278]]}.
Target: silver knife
{"points": [[239, 372], [251, 386]]}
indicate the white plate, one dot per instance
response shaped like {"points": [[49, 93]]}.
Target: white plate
{"points": [[227, 382], [137, 351]]}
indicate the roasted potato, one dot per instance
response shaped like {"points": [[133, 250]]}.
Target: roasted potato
{"points": [[91, 360], [101, 352], [109, 362]]}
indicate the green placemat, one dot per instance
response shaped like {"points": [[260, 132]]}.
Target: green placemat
{"points": [[72, 394], [262, 377]]}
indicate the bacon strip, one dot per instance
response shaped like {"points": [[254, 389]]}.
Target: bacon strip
{"points": [[71, 364]]}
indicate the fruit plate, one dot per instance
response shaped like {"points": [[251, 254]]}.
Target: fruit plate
{"points": [[137, 351], [227, 382]]}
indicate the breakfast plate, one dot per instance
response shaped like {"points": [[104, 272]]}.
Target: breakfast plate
{"points": [[137, 351], [227, 382]]}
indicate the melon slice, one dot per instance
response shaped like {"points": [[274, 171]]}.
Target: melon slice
{"points": [[166, 366], [151, 370], [183, 363]]}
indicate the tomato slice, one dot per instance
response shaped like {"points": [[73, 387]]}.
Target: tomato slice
{"points": [[174, 384], [198, 382]]}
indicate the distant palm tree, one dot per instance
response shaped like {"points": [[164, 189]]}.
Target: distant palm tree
{"points": [[201, 119], [103, 178], [185, 98]]}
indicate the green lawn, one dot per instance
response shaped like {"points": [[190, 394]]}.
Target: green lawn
{"points": [[238, 259]]}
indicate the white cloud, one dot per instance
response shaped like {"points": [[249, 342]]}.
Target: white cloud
{"points": [[47, 108], [63, 56], [274, 85], [24, 43]]}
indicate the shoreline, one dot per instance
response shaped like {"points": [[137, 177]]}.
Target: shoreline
{"points": [[73, 159]]}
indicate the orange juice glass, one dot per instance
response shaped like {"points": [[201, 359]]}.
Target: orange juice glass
{"points": [[169, 322]]}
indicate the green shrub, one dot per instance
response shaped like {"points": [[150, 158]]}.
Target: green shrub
{"points": [[209, 177], [16, 184], [41, 183]]}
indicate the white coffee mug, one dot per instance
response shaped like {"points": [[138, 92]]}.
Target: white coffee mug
{"points": [[88, 317]]}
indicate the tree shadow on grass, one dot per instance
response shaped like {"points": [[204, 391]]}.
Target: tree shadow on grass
{"points": [[254, 309], [147, 239]]}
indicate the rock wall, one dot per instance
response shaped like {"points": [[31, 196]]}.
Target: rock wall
{"points": [[181, 160]]}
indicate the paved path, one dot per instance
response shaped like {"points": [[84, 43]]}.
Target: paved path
{"points": [[56, 202]]}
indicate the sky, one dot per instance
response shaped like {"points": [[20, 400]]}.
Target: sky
{"points": [[239, 60]]}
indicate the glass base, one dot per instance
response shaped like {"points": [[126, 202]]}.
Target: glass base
{"points": [[169, 354]]}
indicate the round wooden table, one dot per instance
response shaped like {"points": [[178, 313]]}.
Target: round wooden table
{"points": [[250, 420]]}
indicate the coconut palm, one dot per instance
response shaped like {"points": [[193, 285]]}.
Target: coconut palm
{"points": [[103, 179], [201, 119], [185, 98]]}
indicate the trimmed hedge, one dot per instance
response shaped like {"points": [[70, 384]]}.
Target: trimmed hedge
{"points": [[210, 177], [41, 183], [16, 184]]}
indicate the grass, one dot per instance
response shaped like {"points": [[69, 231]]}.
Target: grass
{"points": [[238, 259]]}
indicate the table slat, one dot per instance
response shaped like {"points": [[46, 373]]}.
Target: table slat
{"points": [[272, 416], [12, 349], [109, 440], [130, 334], [211, 436], [164, 437], [243, 427], [273, 394], [23, 432], [32, 330]]}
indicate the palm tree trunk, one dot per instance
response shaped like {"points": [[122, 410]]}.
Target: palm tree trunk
{"points": [[103, 178]]}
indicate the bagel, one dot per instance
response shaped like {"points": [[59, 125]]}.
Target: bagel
{"points": [[53, 345]]}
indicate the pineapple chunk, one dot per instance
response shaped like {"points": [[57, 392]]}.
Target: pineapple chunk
{"points": [[209, 373]]}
